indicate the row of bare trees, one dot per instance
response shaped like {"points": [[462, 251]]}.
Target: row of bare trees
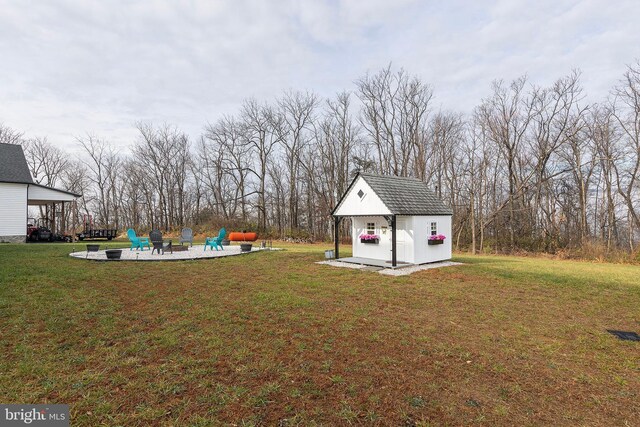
{"points": [[532, 167]]}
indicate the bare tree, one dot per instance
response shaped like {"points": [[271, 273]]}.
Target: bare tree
{"points": [[625, 109], [165, 154], [394, 113], [507, 115], [46, 161], [10, 136], [103, 162], [265, 130], [297, 109]]}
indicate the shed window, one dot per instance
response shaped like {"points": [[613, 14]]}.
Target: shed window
{"points": [[434, 228], [371, 228]]}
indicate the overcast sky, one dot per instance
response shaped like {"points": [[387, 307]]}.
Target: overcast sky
{"points": [[72, 67]]}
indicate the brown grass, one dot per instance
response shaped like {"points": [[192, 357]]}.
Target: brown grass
{"points": [[275, 339]]}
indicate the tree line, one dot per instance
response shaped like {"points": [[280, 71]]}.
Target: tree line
{"points": [[531, 167]]}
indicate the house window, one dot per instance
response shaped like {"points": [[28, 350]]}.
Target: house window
{"points": [[371, 228], [434, 228], [361, 194]]}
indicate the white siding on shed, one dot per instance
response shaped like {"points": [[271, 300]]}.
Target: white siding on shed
{"points": [[422, 230], [369, 203], [380, 250], [13, 209], [412, 235]]}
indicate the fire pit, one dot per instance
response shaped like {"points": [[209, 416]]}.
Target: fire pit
{"points": [[180, 248], [113, 253]]}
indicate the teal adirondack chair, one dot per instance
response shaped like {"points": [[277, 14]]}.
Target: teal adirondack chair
{"points": [[215, 242], [137, 242]]}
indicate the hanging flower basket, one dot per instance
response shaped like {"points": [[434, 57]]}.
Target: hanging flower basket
{"points": [[438, 239], [369, 238]]}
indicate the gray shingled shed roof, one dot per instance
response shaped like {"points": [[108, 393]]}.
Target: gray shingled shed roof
{"points": [[13, 164], [404, 196]]}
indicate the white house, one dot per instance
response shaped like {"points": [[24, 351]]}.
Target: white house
{"points": [[18, 192], [395, 221]]}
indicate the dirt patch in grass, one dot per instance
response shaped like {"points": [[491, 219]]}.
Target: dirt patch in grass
{"points": [[275, 339]]}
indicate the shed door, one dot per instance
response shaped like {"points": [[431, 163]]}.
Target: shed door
{"points": [[401, 239]]}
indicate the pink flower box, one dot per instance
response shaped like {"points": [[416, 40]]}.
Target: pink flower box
{"points": [[438, 239], [369, 238]]}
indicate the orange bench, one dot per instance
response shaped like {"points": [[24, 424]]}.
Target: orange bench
{"points": [[243, 237]]}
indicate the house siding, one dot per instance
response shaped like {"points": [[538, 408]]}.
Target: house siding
{"points": [[13, 212]]}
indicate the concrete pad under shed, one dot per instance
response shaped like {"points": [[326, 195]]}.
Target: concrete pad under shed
{"points": [[403, 271]]}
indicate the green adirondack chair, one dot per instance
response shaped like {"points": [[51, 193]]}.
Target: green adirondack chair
{"points": [[137, 242], [215, 242]]}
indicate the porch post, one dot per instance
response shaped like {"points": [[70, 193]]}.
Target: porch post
{"points": [[53, 218], [394, 259], [63, 219], [74, 220], [336, 236]]}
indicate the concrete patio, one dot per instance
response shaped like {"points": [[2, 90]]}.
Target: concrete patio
{"points": [[195, 252]]}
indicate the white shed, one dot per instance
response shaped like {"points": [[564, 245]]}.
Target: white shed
{"points": [[395, 221], [18, 192]]}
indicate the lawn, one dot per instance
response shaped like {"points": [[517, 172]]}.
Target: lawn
{"points": [[275, 339]]}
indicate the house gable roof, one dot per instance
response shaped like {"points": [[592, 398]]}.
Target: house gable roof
{"points": [[402, 196], [14, 169], [13, 165]]}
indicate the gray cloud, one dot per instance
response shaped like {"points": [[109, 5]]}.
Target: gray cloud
{"points": [[71, 67]]}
